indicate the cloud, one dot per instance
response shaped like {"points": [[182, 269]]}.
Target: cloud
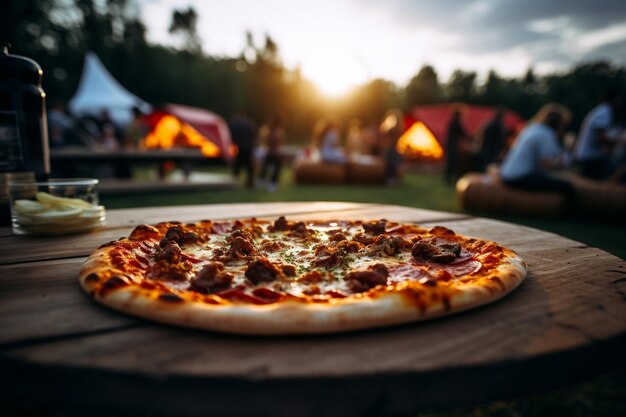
{"points": [[617, 50], [573, 30]]}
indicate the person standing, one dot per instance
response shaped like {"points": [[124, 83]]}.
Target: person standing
{"points": [[537, 151], [454, 139], [273, 136], [136, 130], [391, 128], [592, 151], [244, 133], [492, 140], [354, 140]]}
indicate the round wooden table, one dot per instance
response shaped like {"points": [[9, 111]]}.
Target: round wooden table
{"points": [[566, 322]]}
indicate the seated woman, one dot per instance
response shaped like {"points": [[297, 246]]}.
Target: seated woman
{"points": [[326, 140], [536, 151]]}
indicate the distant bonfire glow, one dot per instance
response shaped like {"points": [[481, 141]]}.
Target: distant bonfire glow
{"points": [[171, 133], [418, 142]]}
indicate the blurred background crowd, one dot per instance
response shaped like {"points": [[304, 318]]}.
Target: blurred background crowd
{"points": [[270, 105]]}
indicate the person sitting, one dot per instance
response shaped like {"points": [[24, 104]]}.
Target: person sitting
{"points": [[536, 151], [592, 151], [326, 140]]}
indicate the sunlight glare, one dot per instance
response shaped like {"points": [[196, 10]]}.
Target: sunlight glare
{"points": [[336, 79], [333, 85]]}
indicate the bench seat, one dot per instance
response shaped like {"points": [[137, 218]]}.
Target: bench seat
{"points": [[485, 192]]}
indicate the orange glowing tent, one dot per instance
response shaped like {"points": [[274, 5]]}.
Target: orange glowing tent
{"points": [[435, 119], [179, 126], [418, 142]]}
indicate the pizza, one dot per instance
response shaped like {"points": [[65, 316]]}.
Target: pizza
{"points": [[292, 277]]}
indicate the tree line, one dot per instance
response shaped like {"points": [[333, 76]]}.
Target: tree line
{"points": [[57, 33]]}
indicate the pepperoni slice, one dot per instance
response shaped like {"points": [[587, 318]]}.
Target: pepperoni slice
{"points": [[406, 272], [416, 271], [267, 295], [462, 257], [467, 267], [221, 228]]}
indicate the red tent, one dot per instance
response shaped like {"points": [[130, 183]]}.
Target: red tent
{"points": [[196, 128], [437, 117]]}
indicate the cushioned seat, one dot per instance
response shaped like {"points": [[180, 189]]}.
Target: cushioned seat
{"points": [[366, 171], [362, 170], [599, 198], [484, 192], [314, 172]]}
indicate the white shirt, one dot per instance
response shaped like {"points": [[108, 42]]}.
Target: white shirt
{"points": [[535, 143], [588, 146]]}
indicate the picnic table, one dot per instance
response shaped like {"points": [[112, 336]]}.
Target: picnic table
{"points": [[67, 161], [565, 323]]}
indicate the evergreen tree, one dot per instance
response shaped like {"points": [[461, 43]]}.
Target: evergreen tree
{"points": [[184, 22], [462, 86], [424, 88]]}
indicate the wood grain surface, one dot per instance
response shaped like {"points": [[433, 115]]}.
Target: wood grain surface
{"points": [[567, 321]]}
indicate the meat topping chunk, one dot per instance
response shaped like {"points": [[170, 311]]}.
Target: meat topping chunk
{"points": [[326, 256], [211, 278], [288, 269], [171, 253], [241, 248], [387, 245], [281, 224], [174, 233], [262, 270], [178, 235], [380, 269], [190, 237], [439, 252], [243, 234], [299, 230], [375, 227], [363, 239], [272, 245], [349, 246], [337, 237], [361, 281], [326, 260]]}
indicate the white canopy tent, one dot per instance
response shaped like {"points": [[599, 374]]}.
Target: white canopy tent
{"points": [[99, 91]]}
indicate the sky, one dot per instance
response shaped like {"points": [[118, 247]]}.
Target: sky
{"points": [[343, 43]]}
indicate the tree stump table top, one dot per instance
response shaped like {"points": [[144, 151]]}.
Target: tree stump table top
{"points": [[566, 322]]}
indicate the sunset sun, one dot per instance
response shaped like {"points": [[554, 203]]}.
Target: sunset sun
{"points": [[333, 85], [336, 79]]}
